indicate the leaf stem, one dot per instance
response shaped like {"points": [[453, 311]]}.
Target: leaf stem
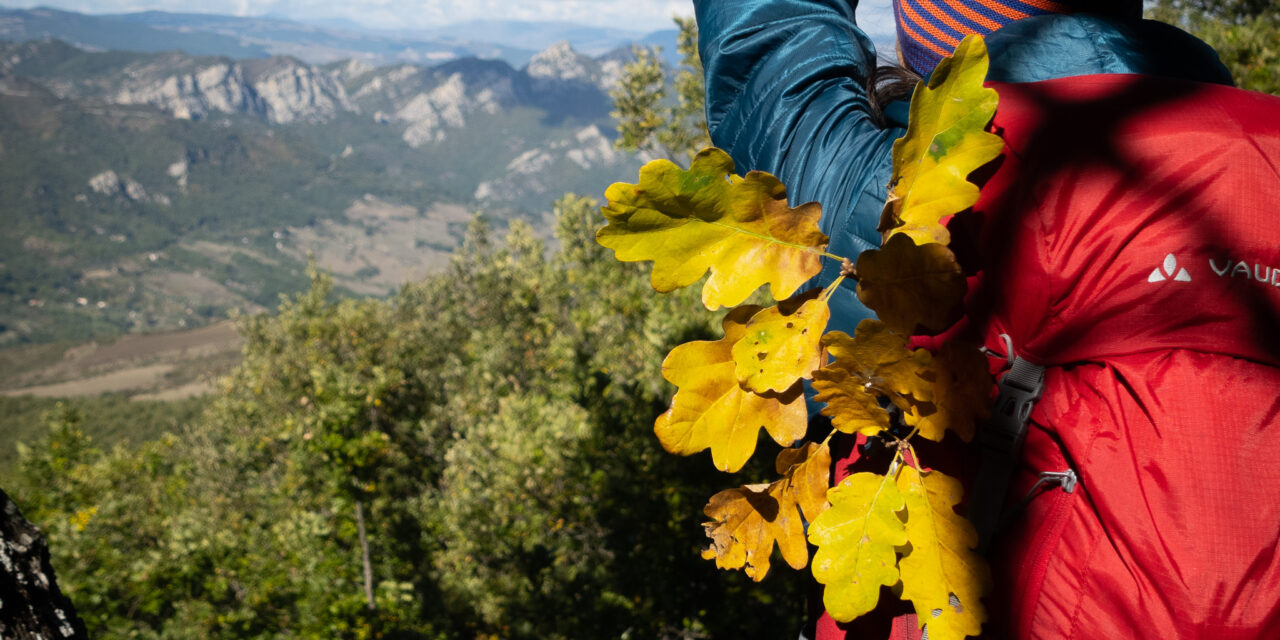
{"points": [[827, 440], [831, 289], [895, 465]]}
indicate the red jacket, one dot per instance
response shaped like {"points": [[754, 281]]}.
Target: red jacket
{"points": [[1129, 241]]}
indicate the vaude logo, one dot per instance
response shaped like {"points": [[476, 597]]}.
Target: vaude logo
{"points": [[1240, 269], [1169, 271], [1224, 268]]}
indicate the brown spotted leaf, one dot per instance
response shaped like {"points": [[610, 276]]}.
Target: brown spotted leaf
{"points": [[806, 471], [748, 521], [850, 405], [877, 359], [941, 563], [740, 228], [712, 410], [781, 344], [961, 393]]}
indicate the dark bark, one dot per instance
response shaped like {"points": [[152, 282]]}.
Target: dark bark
{"points": [[31, 605]]}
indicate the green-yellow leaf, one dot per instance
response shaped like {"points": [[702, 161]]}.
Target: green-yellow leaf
{"points": [[687, 222], [781, 345], [712, 410], [856, 539], [946, 140], [941, 562], [910, 285]]}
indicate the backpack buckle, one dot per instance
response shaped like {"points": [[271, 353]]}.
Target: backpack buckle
{"points": [[1020, 388]]}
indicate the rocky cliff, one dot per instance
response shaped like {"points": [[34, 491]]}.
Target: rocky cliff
{"points": [[426, 102]]}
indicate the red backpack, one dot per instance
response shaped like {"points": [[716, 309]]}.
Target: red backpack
{"points": [[1128, 242]]}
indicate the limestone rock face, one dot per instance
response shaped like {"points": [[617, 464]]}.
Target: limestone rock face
{"points": [[432, 113], [109, 183], [591, 149], [280, 90], [525, 176], [31, 605], [561, 62], [290, 91], [190, 94]]}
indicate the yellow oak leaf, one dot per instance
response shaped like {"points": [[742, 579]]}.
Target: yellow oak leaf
{"points": [[857, 539], [781, 345], [877, 359], [806, 472], [749, 520], [740, 228], [946, 140], [910, 285], [961, 393], [941, 563], [851, 407], [712, 410]]}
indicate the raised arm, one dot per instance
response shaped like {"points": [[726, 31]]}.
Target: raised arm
{"points": [[786, 94]]}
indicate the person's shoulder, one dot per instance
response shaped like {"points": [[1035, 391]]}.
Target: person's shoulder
{"points": [[1059, 46]]}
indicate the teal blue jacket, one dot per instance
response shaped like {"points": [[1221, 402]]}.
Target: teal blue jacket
{"points": [[786, 94]]}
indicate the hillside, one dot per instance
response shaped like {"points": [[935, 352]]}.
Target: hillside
{"points": [[151, 191]]}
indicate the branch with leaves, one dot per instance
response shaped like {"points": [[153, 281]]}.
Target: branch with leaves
{"points": [[660, 116], [896, 529]]}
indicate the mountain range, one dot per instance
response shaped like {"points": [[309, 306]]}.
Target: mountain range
{"points": [[150, 191], [159, 169]]}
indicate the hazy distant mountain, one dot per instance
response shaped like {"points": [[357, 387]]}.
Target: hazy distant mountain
{"points": [[109, 33], [320, 44], [316, 43], [156, 190], [536, 35]]}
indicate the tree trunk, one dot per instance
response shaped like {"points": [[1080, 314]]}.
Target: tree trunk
{"points": [[31, 605], [364, 555]]}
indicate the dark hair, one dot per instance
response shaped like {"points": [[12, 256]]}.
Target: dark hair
{"points": [[886, 84]]}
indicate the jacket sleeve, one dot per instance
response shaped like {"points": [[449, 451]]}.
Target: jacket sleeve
{"points": [[786, 94]]}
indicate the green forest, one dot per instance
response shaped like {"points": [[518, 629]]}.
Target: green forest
{"points": [[472, 457], [482, 440]]}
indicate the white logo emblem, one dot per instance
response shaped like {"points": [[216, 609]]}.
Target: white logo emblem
{"points": [[1169, 267]]}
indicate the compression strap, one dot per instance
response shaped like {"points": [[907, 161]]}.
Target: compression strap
{"points": [[1000, 440]]}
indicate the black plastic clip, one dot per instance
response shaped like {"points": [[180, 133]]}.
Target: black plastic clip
{"points": [[1020, 388], [1000, 440]]}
